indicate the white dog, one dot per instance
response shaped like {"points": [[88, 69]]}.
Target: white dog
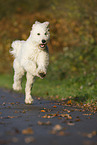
{"points": [[31, 56]]}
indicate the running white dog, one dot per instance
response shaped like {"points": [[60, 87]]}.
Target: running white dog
{"points": [[31, 56]]}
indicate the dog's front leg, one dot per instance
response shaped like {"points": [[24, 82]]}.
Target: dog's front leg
{"points": [[29, 83], [30, 66], [42, 69], [42, 63]]}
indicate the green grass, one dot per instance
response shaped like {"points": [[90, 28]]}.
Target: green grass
{"points": [[6, 81], [80, 88]]}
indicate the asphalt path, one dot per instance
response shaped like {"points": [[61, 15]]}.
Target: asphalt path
{"points": [[44, 122]]}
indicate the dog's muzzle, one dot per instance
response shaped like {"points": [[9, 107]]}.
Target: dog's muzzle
{"points": [[43, 45]]}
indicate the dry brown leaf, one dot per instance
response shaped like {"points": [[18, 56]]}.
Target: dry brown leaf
{"points": [[47, 116], [44, 123], [57, 127], [27, 131], [29, 139], [54, 106], [42, 110], [66, 115], [61, 133], [70, 123], [77, 119], [69, 102]]}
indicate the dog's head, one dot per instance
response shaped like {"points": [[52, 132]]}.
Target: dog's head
{"points": [[40, 34]]}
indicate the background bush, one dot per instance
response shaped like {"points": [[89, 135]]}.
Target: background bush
{"points": [[73, 26]]}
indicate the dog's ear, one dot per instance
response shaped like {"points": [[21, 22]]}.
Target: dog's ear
{"points": [[47, 24], [36, 22]]}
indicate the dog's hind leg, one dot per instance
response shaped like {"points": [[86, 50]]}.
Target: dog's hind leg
{"points": [[18, 73], [29, 83]]}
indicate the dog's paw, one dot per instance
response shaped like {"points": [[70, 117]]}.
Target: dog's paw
{"points": [[29, 100], [41, 74], [17, 87]]}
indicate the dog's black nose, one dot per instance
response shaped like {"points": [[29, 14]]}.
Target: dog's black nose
{"points": [[43, 41]]}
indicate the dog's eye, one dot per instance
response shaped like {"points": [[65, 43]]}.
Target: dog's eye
{"points": [[38, 33], [46, 33]]}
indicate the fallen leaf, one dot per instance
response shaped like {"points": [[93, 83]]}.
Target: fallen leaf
{"points": [[70, 123], [66, 115], [53, 115], [57, 127], [29, 139], [44, 123], [27, 131], [42, 110], [12, 103], [47, 116], [77, 119], [61, 133], [69, 102], [54, 106]]}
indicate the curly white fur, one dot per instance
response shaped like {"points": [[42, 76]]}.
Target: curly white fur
{"points": [[31, 56]]}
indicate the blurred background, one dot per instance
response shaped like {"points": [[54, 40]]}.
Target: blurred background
{"points": [[73, 28]]}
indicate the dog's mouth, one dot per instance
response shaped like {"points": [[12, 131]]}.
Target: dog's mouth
{"points": [[43, 45]]}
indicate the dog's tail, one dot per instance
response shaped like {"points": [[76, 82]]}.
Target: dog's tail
{"points": [[16, 46]]}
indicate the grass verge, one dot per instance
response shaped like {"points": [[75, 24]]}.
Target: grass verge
{"points": [[81, 89]]}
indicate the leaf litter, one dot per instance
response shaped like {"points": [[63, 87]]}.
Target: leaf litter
{"points": [[65, 114]]}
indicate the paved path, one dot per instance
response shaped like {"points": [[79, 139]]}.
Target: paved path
{"points": [[44, 122]]}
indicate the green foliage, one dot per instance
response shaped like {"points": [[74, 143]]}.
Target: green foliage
{"points": [[73, 63]]}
